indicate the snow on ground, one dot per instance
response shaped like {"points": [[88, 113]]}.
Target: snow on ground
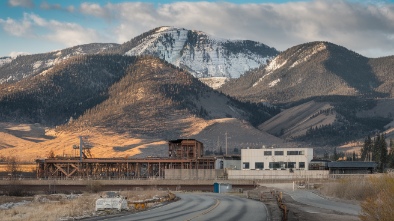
{"points": [[309, 54], [13, 204], [273, 83], [5, 60], [274, 65]]}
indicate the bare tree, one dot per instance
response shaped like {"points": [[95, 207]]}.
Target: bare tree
{"points": [[13, 166]]}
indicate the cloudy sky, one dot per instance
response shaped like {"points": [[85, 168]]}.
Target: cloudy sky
{"points": [[36, 26]]}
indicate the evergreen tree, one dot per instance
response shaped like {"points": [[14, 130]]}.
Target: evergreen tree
{"points": [[382, 152], [366, 149], [376, 149], [335, 155]]}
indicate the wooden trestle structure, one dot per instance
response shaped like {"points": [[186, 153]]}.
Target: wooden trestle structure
{"points": [[183, 154]]}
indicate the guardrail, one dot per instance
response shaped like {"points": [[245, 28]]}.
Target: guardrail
{"points": [[272, 195]]}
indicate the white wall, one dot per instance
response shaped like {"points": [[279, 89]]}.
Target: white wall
{"points": [[193, 174], [252, 156], [276, 174]]}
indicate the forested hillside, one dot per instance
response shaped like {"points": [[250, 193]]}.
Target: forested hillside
{"points": [[65, 91], [25, 66]]}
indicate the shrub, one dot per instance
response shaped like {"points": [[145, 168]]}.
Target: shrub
{"points": [[380, 206]]}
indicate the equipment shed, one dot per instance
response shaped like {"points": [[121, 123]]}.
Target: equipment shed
{"points": [[352, 167]]}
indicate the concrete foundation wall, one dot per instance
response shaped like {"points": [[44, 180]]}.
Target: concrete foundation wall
{"points": [[192, 174], [277, 174]]}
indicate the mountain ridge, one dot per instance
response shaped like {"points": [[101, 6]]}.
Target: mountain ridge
{"points": [[309, 70], [195, 51]]}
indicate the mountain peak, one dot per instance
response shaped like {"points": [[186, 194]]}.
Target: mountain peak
{"points": [[198, 52], [309, 70]]}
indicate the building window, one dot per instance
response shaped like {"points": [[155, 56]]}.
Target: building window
{"points": [[295, 152], [291, 164], [278, 153], [267, 153], [245, 165], [274, 165], [259, 165], [302, 164]]}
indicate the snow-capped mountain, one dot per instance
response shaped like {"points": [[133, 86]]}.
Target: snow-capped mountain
{"points": [[5, 60], [15, 69], [311, 70], [199, 53]]}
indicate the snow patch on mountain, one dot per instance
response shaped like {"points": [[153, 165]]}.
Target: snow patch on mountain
{"points": [[23, 65], [275, 64], [271, 67], [5, 60], [199, 53], [273, 83], [309, 53]]}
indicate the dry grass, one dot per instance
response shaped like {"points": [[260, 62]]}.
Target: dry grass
{"points": [[375, 193], [29, 142], [380, 206], [357, 188], [57, 207]]}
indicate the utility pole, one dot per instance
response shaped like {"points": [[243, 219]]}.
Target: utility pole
{"points": [[226, 143]]}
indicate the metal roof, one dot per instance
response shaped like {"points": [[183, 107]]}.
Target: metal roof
{"points": [[352, 164]]}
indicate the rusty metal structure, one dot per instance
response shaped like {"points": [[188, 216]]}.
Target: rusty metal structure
{"points": [[183, 154]]}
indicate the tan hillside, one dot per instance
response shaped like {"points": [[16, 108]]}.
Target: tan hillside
{"points": [[29, 142], [296, 121]]}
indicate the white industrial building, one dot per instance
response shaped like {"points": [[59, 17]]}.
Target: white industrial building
{"points": [[276, 158]]}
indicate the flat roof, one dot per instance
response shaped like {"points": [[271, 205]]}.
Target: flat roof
{"points": [[352, 164], [180, 140]]}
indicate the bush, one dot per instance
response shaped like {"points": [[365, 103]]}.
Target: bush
{"points": [[356, 188], [380, 206]]}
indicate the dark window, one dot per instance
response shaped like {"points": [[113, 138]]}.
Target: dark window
{"points": [[302, 164], [246, 165], [267, 153], [291, 164], [259, 165], [278, 153], [274, 165], [295, 152]]}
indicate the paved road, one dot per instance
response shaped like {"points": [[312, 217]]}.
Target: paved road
{"points": [[309, 198], [203, 206]]}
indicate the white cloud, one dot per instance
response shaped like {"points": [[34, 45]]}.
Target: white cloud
{"points": [[32, 25], [15, 54], [16, 28], [21, 3], [366, 27], [71, 34], [95, 10], [363, 27]]}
